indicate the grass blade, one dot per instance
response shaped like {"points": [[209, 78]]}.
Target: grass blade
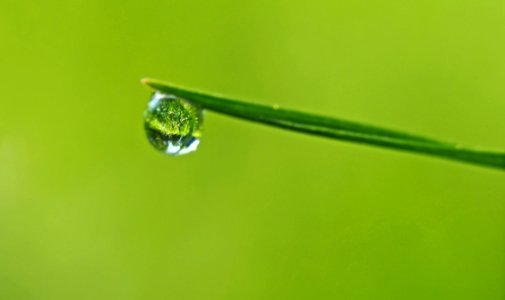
{"points": [[332, 127]]}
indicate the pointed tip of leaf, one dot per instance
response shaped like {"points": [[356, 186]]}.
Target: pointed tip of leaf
{"points": [[146, 81], [155, 84], [159, 85]]}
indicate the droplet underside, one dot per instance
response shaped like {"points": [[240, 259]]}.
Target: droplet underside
{"points": [[172, 124]]}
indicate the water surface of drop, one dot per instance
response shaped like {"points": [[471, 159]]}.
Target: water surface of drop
{"points": [[172, 124]]}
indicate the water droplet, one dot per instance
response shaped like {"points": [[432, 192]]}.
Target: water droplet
{"points": [[172, 124]]}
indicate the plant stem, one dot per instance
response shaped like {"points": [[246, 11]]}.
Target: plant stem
{"points": [[332, 127]]}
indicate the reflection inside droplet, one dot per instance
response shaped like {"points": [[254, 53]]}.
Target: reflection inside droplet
{"points": [[172, 124]]}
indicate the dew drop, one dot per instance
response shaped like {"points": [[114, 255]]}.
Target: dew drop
{"points": [[172, 124]]}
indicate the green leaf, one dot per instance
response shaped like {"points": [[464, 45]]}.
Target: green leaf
{"points": [[332, 127]]}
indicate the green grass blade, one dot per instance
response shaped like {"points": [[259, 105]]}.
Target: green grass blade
{"points": [[332, 127]]}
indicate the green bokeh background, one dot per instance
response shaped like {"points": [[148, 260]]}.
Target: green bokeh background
{"points": [[89, 210]]}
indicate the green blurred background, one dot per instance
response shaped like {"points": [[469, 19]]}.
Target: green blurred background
{"points": [[89, 210]]}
